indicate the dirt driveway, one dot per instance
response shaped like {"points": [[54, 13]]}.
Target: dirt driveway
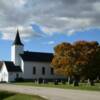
{"points": [[53, 93]]}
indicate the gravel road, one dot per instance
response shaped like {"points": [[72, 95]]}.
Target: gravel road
{"points": [[52, 93]]}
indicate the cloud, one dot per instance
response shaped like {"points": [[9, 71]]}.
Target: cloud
{"points": [[49, 43], [96, 6], [50, 16], [26, 32]]}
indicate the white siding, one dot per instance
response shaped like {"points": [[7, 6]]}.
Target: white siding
{"points": [[16, 50], [0, 76], [8, 76], [13, 75], [4, 73], [28, 70], [22, 65]]}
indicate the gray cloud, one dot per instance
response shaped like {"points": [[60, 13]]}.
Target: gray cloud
{"points": [[62, 16]]}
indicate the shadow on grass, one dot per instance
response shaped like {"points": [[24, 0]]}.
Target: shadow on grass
{"points": [[4, 95]]}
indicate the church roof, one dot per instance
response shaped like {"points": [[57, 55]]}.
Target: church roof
{"points": [[11, 67], [37, 56], [17, 40]]}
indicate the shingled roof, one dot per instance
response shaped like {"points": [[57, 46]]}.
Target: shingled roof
{"points": [[17, 40], [37, 56], [11, 67]]}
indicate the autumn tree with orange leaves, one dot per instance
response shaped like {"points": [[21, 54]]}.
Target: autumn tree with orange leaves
{"points": [[81, 59]]}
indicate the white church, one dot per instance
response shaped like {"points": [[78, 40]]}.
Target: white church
{"points": [[26, 65]]}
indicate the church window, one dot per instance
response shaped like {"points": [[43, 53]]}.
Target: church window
{"points": [[52, 71], [34, 70], [43, 70]]}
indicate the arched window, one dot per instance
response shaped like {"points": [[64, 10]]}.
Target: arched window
{"points": [[52, 71], [34, 70], [43, 70]]}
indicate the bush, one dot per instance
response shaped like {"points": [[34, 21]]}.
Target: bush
{"points": [[56, 82], [3, 82], [63, 82], [40, 80]]}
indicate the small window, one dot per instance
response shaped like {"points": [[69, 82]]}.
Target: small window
{"points": [[34, 70], [52, 71], [43, 70]]}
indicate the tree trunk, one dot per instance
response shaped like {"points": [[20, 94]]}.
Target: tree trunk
{"points": [[76, 80]]}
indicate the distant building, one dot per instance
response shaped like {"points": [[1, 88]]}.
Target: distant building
{"points": [[26, 65]]}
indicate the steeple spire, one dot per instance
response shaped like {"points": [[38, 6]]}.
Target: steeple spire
{"points": [[17, 40]]}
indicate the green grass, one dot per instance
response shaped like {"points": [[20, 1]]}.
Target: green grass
{"points": [[82, 86], [4, 95]]}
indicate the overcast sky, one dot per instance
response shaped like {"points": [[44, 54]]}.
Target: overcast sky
{"points": [[48, 22]]}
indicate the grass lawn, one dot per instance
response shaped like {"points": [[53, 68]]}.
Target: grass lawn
{"points": [[4, 95], [82, 86]]}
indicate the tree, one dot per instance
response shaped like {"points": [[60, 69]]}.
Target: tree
{"points": [[82, 59], [88, 62], [64, 59]]}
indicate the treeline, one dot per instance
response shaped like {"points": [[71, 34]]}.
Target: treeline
{"points": [[78, 61]]}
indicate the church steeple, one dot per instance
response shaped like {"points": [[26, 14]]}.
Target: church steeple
{"points": [[16, 49], [17, 40]]}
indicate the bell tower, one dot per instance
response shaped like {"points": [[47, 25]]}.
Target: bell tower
{"points": [[17, 49]]}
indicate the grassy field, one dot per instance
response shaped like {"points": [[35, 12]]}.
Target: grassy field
{"points": [[82, 86], [4, 95]]}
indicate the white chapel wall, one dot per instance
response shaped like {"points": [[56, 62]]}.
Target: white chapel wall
{"points": [[4, 73], [28, 70]]}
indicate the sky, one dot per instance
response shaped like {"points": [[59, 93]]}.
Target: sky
{"points": [[45, 23]]}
